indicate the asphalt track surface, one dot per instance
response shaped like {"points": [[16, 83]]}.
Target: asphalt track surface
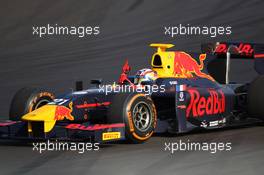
{"points": [[127, 28]]}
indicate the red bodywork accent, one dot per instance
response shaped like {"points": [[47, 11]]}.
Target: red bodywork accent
{"points": [[92, 105], [181, 106], [63, 112], [200, 106], [259, 56], [94, 127], [8, 123]]}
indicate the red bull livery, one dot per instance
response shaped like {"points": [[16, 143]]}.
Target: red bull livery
{"points": [[177, 93]]}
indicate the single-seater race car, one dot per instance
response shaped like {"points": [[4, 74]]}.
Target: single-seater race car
{"points": [[176, 95]]}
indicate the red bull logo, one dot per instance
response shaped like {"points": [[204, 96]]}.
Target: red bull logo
{"points": [[200, 106], [242, 48], [62, 112], [185, 66]]}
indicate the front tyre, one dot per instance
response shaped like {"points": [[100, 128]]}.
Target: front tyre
{"points": [[138, 113], [27, 100]]}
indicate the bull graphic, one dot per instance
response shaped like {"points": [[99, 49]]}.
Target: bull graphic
{"points": [[185, 66], [62, 112]]}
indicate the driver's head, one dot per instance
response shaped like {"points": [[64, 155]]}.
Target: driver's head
{"points": [[145, 75]]}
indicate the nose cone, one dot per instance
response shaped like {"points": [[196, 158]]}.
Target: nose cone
{"points": [[44, 114]]}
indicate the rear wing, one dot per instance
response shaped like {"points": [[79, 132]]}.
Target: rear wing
{"points": [[236, 50]]}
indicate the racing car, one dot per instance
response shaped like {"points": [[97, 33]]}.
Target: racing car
{"points": [[176, 94]]}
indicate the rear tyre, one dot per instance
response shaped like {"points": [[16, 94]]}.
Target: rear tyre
{"points": [[26, 100], [256, 98], [138, 113]]}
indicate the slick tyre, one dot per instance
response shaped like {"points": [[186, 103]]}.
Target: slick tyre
{"points": [[26, 100], [138, 112], [256, 98]]}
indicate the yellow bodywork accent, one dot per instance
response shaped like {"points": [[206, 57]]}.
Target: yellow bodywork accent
{"points": [[45, 113], [167, 68], [177, 64], [161, 47], [167, 59]]}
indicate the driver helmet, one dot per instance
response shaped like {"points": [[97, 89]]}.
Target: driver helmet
{"points": [[145, 75]]}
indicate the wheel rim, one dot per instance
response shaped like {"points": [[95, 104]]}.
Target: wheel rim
{"points": [[141, 116]]}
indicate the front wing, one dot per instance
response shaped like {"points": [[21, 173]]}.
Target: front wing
{"points": [[63, 131]]}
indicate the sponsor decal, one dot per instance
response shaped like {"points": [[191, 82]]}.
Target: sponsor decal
{"points": [[94, 127], [242, 48], [181, 96], [63, 112], [111, 135], [217, 122], [213, 123], [185, 66], [204, 124], [173, 82], [200, 106], [131, 126]]}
